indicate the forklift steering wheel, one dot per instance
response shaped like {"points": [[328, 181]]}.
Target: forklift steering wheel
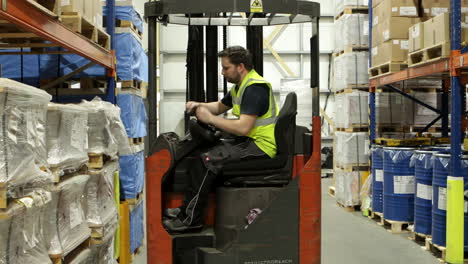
{"points": [[202, 131]]}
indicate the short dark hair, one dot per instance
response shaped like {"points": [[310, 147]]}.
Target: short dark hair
{"points": [[238, 55]]}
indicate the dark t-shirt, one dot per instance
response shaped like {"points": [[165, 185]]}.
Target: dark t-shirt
{"points": [[255, 100]]}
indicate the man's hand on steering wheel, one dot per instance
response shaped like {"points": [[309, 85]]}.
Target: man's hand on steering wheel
{"points": [[191, 107], [204, 115]]}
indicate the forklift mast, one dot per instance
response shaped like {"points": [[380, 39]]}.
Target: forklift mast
{"points": [[205, 17]]}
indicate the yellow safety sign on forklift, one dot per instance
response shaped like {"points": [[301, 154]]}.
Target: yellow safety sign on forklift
{"points": [[256, 6]]}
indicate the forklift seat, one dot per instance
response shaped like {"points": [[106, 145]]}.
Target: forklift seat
{"points": [[267, 171]]}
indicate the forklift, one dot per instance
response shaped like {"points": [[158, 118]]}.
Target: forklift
{"points": [[285, 191]]}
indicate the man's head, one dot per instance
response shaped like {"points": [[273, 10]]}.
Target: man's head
{"points": [[236, 62]]}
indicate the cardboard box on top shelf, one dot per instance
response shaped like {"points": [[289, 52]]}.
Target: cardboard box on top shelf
{"points": [[89, 11], [98, 13], [376, 3], [392, 28], [395, 50], [396, 8], [416, 37], [72, 6], [437, 30], [434, 8]]}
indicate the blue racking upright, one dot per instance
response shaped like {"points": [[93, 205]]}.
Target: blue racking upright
{"points": [[452, 67]]}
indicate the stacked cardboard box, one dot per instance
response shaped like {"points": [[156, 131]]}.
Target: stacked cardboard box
{"points": [[91, 10], [389, 34]]}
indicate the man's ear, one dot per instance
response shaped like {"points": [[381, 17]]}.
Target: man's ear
{"points": [[242, 67]]}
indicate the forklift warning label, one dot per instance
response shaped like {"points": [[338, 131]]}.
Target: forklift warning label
{"points": [[271, 261], [256, 6]]}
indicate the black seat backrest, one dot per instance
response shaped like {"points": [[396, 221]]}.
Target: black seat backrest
{"points": [[285, 128]]}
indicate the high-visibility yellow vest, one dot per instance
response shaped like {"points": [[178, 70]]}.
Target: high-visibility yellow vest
{"points": [[263, 133]]}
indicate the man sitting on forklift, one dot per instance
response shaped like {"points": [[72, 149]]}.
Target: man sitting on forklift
{"points": [[252, 102]]}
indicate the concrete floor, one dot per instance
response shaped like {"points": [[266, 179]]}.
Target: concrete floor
{"points": [[350, 238], [353, 239]]}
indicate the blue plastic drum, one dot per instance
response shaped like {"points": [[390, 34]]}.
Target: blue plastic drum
{"points": [[399, 184], [422, 161], [441, 171], [377, 179]]}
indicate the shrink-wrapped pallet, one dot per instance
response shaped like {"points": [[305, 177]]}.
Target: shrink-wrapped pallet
{"points": [[106, 132], [71, 222], [67, 137], [100, 197], [351, 30], [348, 186], [23, 149], [421, 115], [351, 149], [304, 102], [391, 109], [340, 5], [350, 69], [104, 252], [351, 109], [23, 230]]}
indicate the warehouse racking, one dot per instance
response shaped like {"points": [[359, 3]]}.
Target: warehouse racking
{"points": [[449, 72]]}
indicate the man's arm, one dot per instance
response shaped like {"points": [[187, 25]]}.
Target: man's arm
{"points": [[239, 127], [216, 108]]}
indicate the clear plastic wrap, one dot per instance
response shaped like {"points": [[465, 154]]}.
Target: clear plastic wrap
{"points": [[391, 109], [421, 116], [423, 159], [82, 258], [304, 105], [100, 196], [106, 132], [365, 193], [351, 30], [104, 252], [348, 187], [72, 226], [22, 137], [67, 137], [132, 175], [22, 230], [341, 4], [351, 109], [136, 227], [133, 114], [351, 149], [350, 69]]}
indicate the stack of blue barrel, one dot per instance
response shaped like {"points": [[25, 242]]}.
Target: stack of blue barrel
{"points": [[413, 188]]}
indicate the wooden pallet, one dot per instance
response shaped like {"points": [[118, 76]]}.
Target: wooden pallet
{"points": [[363, 167], [97, 160], [391, 142], [440, 252], [428, 55], [432, 129], [354, 87], [418, 238], [3, 195], [331, 191], [50, 7], [136, 141], [386, 68], [352, 9], [350, 49], [135, 87], [78, 83], [377, 217], [349, 208], [76, 22], [354, 128], [58, 173], [125, 24], [66, 258], [396, 227], [134, 201]]}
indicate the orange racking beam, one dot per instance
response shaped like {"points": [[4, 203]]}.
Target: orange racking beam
{"points": [[31, 19]]}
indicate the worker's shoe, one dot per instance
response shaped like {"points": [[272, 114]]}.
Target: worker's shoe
{"points": [[171, 213], [176, 225]]}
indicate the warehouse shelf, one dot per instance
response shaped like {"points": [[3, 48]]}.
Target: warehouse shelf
{"points": [[39, 27], [31, 19]]}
